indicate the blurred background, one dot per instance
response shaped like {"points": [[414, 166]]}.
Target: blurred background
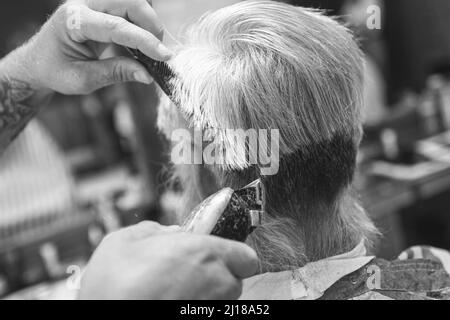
{"points": [[90, 165]]}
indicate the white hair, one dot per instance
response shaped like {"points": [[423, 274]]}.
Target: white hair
{"points": [[263, 64], [270, 65]]}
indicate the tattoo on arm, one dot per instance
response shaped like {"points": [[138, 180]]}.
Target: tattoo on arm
{"points": [[15, 109]]}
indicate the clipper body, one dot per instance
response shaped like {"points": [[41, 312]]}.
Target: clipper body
{"points": [[229, 214]]}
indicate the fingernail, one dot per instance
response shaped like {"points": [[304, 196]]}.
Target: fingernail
{"points": [[143, 77], [166, 52]]}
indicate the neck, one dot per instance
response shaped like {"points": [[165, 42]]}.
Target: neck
{"points": [[288, 243], [292, 234]]}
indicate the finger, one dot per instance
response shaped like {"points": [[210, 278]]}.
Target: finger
{"points": [[103, 73], [231, 290], [101, 27], [147, 229], [235, 291], [139, 12], [222, 285], [173, 229], [240, 259], [146, 18], [142, 14]]}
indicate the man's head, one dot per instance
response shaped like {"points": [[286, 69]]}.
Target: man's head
{"points": [[269, 65]]}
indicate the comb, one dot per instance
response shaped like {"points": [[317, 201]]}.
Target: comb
{"points": [[161, 72]]}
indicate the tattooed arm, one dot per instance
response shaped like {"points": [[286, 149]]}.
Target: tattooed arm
{"points": [[15, 110], [19, 99], [64, 56]]}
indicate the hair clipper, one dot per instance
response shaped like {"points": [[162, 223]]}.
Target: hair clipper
{"points": [[229, 214]]}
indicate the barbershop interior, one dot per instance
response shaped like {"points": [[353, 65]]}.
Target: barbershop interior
{"points": [[89, 165]]}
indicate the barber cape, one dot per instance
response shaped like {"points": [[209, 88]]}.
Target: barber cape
{"points": [[420, 273]]}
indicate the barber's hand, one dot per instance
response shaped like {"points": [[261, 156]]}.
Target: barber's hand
{"points": [[64, 55], [149, 261]]}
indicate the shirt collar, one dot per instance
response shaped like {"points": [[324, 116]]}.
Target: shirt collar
{"points": [[307, 283]]}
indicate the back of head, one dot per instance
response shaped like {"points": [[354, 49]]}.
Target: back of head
{"points": [[270, 65]]}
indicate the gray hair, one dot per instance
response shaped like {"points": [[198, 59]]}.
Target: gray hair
{"points": [[270, 65]]}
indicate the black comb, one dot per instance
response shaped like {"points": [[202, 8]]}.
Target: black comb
{"points": [[161, 72]]}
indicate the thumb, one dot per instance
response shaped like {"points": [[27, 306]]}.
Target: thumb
{"points": [[111, 71]]}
